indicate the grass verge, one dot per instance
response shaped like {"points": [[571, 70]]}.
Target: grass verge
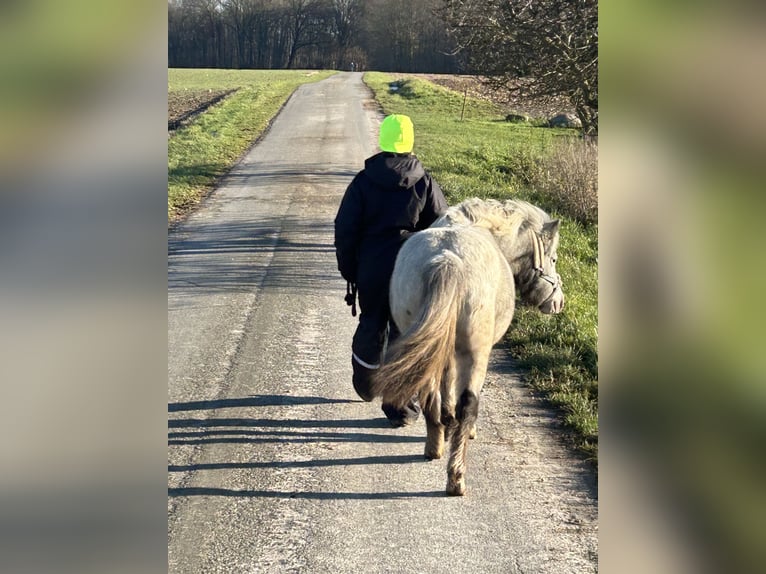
{"points": [[485, 156], [203, 151]]}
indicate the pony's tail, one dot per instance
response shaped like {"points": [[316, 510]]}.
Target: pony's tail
{"points": [[426, 350]]}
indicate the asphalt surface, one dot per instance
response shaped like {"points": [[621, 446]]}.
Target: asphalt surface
{"points": [[274, 464]]}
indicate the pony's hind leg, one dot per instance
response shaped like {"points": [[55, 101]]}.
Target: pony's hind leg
{"points": [[467, 412], [447, 415], [432, 406]]}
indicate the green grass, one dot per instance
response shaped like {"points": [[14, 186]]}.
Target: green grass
{"points": [[201, 152], [485, 156]]}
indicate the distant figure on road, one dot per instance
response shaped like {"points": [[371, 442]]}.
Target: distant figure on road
{"points": [[389, 200]]}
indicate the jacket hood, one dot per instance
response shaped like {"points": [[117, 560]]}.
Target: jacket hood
{"points": [[392, 170]]}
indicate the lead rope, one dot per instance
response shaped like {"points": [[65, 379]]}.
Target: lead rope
{"points": [[351, 297]]}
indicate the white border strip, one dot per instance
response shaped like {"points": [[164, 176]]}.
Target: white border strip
{"points": [[361, 362]]}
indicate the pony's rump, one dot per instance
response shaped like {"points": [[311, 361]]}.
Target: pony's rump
{"points": [[420, 356]]}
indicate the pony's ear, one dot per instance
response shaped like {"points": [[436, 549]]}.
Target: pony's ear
{"points": [[550, 229]]}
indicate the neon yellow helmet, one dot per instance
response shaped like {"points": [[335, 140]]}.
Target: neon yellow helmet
{"points": [[397, 134]]}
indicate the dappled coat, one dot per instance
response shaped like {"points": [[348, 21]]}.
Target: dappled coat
{"points": [[391, 198]]}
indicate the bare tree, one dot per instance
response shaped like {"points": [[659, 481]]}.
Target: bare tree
{"points": [[536, 48], [406, 36], [195, 33], [304, 25], [346, 19], [239, 17]]}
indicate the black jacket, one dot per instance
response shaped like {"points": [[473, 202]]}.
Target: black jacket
{"points": [[391, 198]]}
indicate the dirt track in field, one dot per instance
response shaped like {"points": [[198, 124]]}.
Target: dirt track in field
{"points": [[185, 105]]}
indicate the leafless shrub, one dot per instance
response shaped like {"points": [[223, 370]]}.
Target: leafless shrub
{"points": [[569, 178]]}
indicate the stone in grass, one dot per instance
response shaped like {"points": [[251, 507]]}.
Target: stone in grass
{"points": [[564, 121]]}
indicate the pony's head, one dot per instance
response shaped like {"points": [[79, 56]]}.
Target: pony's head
{"points": [[529, 240], [538, 283]]}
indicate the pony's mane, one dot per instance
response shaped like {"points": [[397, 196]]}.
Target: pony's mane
{"points": [[506, 218]]}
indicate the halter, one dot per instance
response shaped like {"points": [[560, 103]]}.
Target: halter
{"points": [[537, 245]]}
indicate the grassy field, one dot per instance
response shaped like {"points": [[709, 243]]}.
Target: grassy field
{"points": [[485, 156], [201, 152]]}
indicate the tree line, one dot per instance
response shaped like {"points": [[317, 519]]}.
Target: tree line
{"points": [[391, 35], [537, 48]]}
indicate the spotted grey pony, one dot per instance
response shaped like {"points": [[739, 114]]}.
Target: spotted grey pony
{"points": [[453, 293]]}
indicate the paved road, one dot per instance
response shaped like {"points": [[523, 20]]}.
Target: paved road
{"points": [[274, 464]]}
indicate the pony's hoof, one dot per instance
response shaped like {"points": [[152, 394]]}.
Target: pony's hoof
{"points": [[456, 488], [434, 454], [401, 417], [472, 433]]}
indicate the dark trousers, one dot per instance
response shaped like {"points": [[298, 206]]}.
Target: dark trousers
{"points": [[376, 329]]}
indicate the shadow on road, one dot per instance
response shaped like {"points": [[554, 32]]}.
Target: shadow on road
{"points": [[255, 401], [175, 439], [313, 174], [280, 431], [393, 459], [203, 491], [291, 423], [270, 253], [240, 431]]}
